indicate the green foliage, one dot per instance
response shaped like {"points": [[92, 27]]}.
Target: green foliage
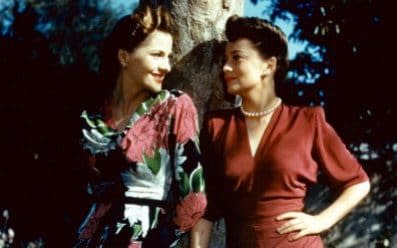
{"points": [[75, 29], [48, 52], [354, 41]]}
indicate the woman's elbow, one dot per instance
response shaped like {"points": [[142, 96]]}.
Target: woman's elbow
{"points": [[362, 189], [366, 187]]}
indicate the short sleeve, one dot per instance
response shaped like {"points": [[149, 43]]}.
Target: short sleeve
{"points": [[187, 161], [211, 173], [340, 167]]}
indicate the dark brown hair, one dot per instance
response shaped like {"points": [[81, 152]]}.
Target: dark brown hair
{"points": [[268, 38], [127, 34]]}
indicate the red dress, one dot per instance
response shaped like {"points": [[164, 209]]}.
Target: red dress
{"points": [[250, 191]]}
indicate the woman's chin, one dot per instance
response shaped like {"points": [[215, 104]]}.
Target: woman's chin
{"points": [[155, 89], [232, 91]]}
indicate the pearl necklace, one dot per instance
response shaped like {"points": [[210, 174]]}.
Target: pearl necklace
{"points": [[267, 111]]}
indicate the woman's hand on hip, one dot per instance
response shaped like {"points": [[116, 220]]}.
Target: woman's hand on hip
{"points": [[302, 223]]}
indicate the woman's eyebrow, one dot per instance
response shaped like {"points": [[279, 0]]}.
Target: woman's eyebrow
{"points": [[235, 51]]}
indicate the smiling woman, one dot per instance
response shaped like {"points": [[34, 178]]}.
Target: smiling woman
{"points": [[142, 145], [143, 69], [261, 158]]}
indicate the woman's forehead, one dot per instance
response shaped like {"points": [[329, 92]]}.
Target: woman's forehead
{"points": [[239, 45], [157, 39]]}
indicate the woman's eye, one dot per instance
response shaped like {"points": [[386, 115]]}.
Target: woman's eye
{"points": [[157, 54], [236, 57]]}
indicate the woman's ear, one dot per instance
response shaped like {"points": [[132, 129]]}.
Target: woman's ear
{"points": [[270, 66], [123, 57]]}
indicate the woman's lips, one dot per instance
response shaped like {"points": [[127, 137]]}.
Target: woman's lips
{"points": [[158, 77], [228, 79]]}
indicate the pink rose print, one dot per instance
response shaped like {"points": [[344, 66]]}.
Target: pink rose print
{"points": [[148, 133], [163, 109], [186, 116], [139, 139], [190, 210], [161, 113], [135, 244]]}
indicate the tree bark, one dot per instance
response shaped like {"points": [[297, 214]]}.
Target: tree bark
{"points": [[198, 49], [198, 56]]}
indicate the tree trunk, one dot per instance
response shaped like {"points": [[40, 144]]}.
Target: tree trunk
{"points": [[198, 50], [198, 56]]}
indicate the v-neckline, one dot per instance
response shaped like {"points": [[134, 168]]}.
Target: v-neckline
{"points": [[142, 109], [265, 134]]}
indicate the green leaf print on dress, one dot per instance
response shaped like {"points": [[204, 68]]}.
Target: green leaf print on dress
{"points": [[97, 136], [154, 162], [197, 180], [147, 172]]}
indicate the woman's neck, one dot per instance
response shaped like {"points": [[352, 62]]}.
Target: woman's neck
{"points": [[126, 99], [259, 99], [258, 105]]}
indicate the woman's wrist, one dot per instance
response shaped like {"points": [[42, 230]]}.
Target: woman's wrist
{"points": [[326, 221]]}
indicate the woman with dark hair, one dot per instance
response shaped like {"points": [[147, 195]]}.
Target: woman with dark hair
{"points": [[142, 144], [260, 158]]}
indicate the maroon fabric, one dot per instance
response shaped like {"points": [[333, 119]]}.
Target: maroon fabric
{"points": [[250, 191]]}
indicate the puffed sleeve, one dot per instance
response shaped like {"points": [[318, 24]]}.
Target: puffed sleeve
{"points": [[340, 167], [213, 189], [188, 169]]}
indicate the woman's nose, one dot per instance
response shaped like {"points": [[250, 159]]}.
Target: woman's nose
{"points": [[226, 67], [165, 65]]}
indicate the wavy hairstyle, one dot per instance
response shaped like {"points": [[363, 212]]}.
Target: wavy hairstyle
{"points": [[127, 34], [268, 38]]}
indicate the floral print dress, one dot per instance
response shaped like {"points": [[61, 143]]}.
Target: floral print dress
{"points": [[156, 156]]}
